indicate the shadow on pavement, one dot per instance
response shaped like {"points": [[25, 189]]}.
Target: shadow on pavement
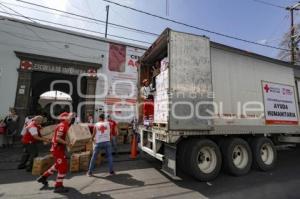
{"points": [[75, 194], [282, 182], [124, 179]]}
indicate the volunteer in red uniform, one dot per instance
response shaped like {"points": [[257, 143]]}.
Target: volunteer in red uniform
{"points": [[113, 133], [30, 138], [58, 151]]}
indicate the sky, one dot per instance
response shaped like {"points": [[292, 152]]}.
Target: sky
{"points": [[247, 19]]}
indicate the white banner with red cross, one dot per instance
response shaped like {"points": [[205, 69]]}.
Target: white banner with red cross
{"points": [[280, 104]]}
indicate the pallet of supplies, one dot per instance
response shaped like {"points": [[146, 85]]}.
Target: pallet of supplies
{"points": [[78, 135], [41, 164], [84, 160], [74, 162]]}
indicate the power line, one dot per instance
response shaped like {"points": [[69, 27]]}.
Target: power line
{"points": [[44, 11], [16, 12], [84, 29], [194, 27], [67, 16], [36, 34], [90, 18], [269, 4]]}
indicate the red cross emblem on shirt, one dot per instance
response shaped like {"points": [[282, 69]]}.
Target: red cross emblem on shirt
{"points": [[102, 129]]}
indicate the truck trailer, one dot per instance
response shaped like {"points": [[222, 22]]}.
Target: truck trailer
{"points": [[216, 106]]}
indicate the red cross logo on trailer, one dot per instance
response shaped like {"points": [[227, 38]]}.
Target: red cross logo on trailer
{"points": [[102, 129], [267, 88]]}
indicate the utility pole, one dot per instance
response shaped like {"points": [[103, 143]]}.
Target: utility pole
{"points": [[106, 24], [291, 9]]}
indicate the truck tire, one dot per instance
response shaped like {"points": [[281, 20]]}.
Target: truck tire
{"points": [[264, 154], [237, 156], [205, 160]]}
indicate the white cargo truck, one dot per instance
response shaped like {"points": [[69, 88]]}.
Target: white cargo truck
{"points": [[216, 106]]}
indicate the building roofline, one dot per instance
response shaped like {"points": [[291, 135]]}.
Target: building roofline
{"points": [[70, 32]]}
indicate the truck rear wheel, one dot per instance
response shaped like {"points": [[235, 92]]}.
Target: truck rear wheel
{"points": [[205, 160], [264, 153], [237, 156]]}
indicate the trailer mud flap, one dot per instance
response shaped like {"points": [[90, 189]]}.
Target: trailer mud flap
{"points": [[169, 161]]}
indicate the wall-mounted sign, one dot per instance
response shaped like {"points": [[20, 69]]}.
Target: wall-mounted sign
{"points": [[44, 67], [280, 104], [57, 69]]}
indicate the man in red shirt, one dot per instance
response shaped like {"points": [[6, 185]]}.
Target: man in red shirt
{"points": [[113, 132], [30, 138], [58, 151]]}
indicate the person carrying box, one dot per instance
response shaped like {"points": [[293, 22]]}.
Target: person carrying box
{"points": [[58, 151], [30, 138]]}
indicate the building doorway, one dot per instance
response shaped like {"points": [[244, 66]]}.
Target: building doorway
{"points": [[41, 74]]}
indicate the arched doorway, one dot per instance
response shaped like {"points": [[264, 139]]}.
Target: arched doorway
{"points": [[39, 74]]}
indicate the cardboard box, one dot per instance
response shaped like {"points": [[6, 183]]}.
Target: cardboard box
{"points": [[48, 131], [73, 149], [74, 162], [89, 146], [84, 160], [78, 135], [41, 164]]}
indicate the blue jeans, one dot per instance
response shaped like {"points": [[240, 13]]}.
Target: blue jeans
{"points": [[107, 147], [114, 143]]}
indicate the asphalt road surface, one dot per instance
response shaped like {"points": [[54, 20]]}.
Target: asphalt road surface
{"points": [[143, 178]]}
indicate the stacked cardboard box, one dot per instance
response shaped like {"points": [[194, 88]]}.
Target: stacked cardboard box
{"points": [[84, 160], [161, 98], [79, 135], [41, 164], [89, 146], [80, 161], [74, 162]]}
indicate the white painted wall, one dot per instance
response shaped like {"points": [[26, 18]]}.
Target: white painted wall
{"points": [[25, 38]]}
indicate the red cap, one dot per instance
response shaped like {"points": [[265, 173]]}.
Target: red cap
{"points": [[64, 116]]}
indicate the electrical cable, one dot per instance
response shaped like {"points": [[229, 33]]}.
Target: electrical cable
{"points": [[84, 29], [269, 4], [90, 18], [192, 26]]}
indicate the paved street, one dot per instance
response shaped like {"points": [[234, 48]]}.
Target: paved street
{"points": [[143, 179]]}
